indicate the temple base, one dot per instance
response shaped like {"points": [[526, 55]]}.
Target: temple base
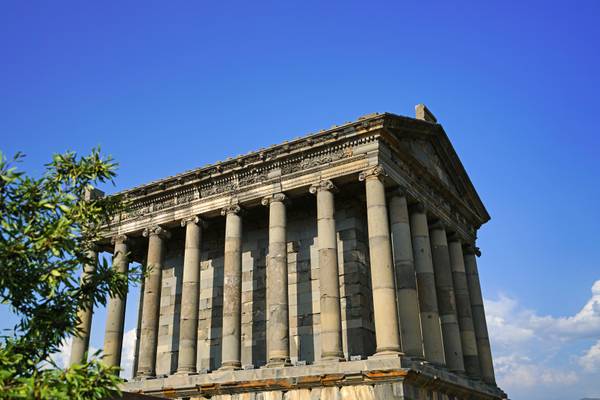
{"points": [[377, 378]]}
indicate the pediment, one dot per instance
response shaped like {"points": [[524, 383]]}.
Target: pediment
{"points": [[424, 151], [428, 145]]}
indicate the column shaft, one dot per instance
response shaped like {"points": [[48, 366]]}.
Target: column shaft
{"points": [[81, 340], [157, 237], [138, 328], [115, 314], [446, 299], [406, 284], [430, 319], [331, 318], [232, 290], [463, 309], [278, 349], [190, 292], [481, 332], [385, 312]]}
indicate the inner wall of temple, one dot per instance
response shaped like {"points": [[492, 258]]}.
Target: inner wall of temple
{"points": [[303, 286]]}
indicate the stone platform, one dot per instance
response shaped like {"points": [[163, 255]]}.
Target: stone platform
{"points": [[372, 379]]}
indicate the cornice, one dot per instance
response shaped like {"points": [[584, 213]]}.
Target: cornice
{"points": [[257, 158], [235, 181]]}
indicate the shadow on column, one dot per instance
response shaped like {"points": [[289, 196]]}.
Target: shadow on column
{"points": [[216, 312], [259, 305], [178, 276], [304, 300]]}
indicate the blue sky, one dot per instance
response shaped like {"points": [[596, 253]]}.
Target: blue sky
{"points": [[168, 87]]}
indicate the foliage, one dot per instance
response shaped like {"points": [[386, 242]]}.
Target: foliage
{"points": [[47, 228]]}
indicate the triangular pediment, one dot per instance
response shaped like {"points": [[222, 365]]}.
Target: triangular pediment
{"points": [[428, 145], [424, 151]]}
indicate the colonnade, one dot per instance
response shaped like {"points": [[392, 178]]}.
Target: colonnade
{"points": [[427, 301]]}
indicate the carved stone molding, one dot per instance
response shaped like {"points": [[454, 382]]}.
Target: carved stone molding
{"points": [[119, 239], [158, 231], [376, 172], [230, 177], [322, 185], [274, 198]]}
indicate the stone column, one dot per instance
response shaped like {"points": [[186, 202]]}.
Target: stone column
{"points": [[428, 305], [331, 317], [157, 237], [232, 289], [385, 312], [406, 283], [81, 340], [115, 314], [446, 299], [481, 332], [463, 309], [278, 349], [190, 292]]}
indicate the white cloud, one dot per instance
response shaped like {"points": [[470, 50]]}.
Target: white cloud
{"points": [[128, 355], [543, 351], [517, 371], [590, 361], [63, 355]]}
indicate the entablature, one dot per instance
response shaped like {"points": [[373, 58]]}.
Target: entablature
{"points": [[338, 152]]}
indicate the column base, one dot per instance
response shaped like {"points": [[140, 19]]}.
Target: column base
{"points": [[186, 371], [143, 377], [278, 363], [329, 360], [230, 366], [387, 354]]}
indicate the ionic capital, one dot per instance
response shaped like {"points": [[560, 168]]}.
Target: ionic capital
{"points": [[231, 209], [119, 239], [417, 208], [192, 220], [376, 172], [322, 185], [400, 191], [454, 237], [437, 224], [273, 198], [156, 231]]}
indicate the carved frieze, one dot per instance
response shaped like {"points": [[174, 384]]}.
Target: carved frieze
{"points": [[305, 163], [231, 183]]}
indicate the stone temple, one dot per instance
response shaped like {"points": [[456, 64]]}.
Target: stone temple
{"points": [[339, 265]]}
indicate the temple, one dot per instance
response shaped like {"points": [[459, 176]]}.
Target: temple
{"points": [[339, 265]]}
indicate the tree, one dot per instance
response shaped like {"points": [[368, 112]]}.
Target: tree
{"points": [[47, 228]]}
